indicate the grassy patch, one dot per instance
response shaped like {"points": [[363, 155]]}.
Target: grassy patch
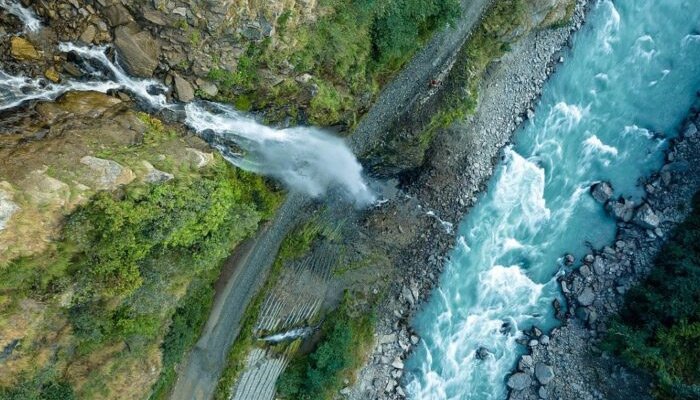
{"points": [[346, 341], [658, 330]]}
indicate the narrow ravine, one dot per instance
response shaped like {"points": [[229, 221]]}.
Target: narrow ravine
{"points": [[627, 83]]}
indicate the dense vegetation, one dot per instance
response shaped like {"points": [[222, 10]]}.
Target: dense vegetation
{"points": [[658, 329], [346, 338], [133, 270], [349, 51]]}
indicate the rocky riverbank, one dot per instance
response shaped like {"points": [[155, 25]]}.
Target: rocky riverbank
{"points": [[568, 362], [459, 165]]}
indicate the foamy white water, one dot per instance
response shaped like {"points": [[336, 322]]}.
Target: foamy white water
{"points": [[632, 74], [30, 21]]}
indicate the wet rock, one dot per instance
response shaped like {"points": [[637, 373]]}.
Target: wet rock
{"points": [[622, 210], [519, 381], [23, 50], [602, 192], [646, 218], [569, 260], [398, 364], [52, 75], [482, 353], [185, 92], [139, 51], [544, 373]]}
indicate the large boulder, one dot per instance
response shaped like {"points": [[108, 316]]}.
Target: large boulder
{"points": [[586, 297], [22, 49], [602, 192], [138, 50], [185, 92], [622, 210], [646, 218], [544, 373], [107, 174], [519, 381]]}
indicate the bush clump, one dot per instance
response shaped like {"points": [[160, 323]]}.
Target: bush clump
{"points": [[658, 329]]}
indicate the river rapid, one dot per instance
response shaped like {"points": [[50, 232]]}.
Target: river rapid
{"points": [[628, 81]]}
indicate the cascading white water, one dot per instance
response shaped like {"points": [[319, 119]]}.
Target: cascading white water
{"points": [[633, 70], [30, 21], [305, 159]]}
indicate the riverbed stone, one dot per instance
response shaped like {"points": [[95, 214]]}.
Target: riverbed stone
{"points": [[622, 210], [602, 192], [586, 297], [185, 92], [23, 50], [138, 50], [519, 381], [646, 218], [544, 373]]}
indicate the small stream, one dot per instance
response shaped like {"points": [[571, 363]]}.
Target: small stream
{"points": [[628, 82]]}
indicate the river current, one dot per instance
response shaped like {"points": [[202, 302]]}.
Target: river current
{"points": [[628, 81]]}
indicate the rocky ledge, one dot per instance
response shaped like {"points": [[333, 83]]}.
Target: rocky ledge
{"points": [[568, 363], [459, 166]]}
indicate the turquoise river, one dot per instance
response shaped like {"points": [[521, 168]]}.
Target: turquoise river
{"points": [[628, 81]]}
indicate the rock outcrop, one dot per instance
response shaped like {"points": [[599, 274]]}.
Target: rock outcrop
{"points": [[139, 51]]}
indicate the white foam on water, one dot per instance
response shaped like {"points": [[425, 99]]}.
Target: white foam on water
{"points": [[306, 159], [608, 33], [594, 150], [30, 21], [644, 48], [689, 40]]}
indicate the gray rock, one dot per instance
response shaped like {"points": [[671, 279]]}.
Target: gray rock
{"points": [[586, 297], [185, 92], [602, 192], [646, 218], [622, 210], [118, 15], [138, 50], [208, 88], [542, 392], [690, 131], [7, 208], [154, 175], [544, 373], [482, 353], [525, 363], [519, 381]]}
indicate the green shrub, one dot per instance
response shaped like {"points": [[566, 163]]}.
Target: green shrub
{"points": [[319, 375], [658, 329]]}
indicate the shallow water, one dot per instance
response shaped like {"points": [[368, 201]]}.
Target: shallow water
{"points": [[628, 82]]}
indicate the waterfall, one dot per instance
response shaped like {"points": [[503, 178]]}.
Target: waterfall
{"points": [[305, 159]]}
